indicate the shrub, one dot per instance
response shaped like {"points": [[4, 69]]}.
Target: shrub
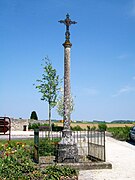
{"points": [[59, 172], [33, 125], [48, 146], [15, 159], [34, 115], [37, 125], [16, 164], [120, 133], [102, 126], [56, 128], [93, 128], [77, 128]]}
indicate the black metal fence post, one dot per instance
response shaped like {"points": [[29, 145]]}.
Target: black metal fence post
{"points": [[36, 145], [104, 148], [88, 141]]}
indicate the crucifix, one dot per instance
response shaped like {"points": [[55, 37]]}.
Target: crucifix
{"points": [[67, 22]]}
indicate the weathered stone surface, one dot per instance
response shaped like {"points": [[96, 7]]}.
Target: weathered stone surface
{"points": [[19, 124], [22, 124], [67, 96], [47, 159], [69, 178], [67, 137], [84, 166], [67, 153]]}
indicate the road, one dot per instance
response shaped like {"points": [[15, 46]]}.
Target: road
{"points": [[18, 135], [122, 157]]}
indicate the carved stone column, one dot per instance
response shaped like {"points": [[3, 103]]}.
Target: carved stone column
{"points": [[67, 99]]}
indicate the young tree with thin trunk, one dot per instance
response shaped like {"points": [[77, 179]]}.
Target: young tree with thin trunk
{"points": [[49, 86]]}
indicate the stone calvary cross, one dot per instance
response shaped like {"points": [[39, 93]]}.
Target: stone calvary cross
{"points": [[67, 95], [67, 148]]}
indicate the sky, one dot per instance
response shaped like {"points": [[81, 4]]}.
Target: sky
{"points": [[102, 56]]}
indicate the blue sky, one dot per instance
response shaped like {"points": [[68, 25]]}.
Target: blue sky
{"points": [[102, 56]]}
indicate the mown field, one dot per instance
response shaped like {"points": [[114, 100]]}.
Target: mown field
{"points": [[84, 125]]}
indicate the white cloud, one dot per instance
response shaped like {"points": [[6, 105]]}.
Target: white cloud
{"points": [[126, 89]]}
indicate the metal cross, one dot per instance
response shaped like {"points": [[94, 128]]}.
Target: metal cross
{"points": [[67, 22]]}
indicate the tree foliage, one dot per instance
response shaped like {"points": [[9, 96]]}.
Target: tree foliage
{"points": [[34, 115], [49, 85]]}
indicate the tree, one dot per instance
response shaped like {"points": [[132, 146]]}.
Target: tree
{"points": [[34, 115], [49, 86], [60, 104]]}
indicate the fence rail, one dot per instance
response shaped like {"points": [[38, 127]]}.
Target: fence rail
{"points": [[90, 144], [96, 145]]}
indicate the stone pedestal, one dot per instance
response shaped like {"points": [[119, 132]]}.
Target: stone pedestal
{"points": [[67, 149]]}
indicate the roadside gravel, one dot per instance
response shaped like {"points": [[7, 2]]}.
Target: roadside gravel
{"points": [[122, 157]]}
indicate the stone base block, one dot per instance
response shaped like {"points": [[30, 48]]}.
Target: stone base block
{"points": [[67, 153]]}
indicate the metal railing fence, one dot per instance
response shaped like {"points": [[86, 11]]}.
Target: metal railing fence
{"points": [[96, 145], [90, 144]]}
